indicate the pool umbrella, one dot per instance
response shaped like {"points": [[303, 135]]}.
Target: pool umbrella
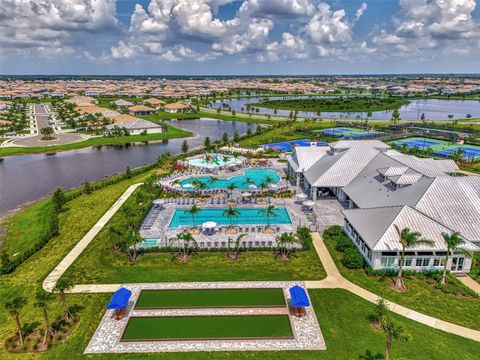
{"points": [[309, 203], [188, 186], [302, 196], [252, 186], [209, 224], [273, 186], [246, 194]]}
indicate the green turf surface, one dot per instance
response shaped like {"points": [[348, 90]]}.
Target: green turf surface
{"points": [[210, 298], [207, 327]]}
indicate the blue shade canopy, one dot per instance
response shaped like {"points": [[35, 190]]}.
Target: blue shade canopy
{"points": [[299, 296], [119, 299]]}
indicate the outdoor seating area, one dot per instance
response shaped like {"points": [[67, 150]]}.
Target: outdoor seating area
{"points": [[176, 317]]}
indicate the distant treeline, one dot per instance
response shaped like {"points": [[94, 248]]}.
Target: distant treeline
{"points": [[344, 104]]}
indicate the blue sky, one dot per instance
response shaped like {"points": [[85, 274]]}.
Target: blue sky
{"points": [[186, 37]]}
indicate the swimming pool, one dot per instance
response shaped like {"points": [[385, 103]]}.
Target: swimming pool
{"points": [[247, 216], [214, 162], [255, 177]]}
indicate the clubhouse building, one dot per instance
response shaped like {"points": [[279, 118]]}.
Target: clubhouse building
{"points": [[381, 189]]}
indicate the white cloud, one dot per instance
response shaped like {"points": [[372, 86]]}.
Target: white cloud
{"points": [[440, 25], [52, 27]]}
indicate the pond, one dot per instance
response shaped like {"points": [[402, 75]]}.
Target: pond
{"points": [[434, 109], [31, 177]]}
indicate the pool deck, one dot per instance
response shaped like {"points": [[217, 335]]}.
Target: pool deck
{"points": [[306, 330], [160, 228]]}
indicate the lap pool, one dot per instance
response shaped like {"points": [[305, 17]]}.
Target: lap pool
{"points": [[246, 216], [250, 177]]}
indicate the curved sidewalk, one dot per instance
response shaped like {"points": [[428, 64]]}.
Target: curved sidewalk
{"points": [[335, 280]]}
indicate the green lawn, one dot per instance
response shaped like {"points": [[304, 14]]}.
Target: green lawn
{"points": [[420, 296], [210, 298], [342, 316], [208, 327], [172, 133], [161, 115], [335, 104], [27, 226]]}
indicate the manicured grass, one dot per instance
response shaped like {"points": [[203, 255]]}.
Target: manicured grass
{"points": [[171, 133], [420, 296], [210, 298], [335, 104], [161, 115], [27, 227], [208, 327], [342, 316]]}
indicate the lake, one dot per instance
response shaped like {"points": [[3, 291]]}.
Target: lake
{"points": [[434, 109], [31, 177]]}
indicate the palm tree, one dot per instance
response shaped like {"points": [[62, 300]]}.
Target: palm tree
{"points": [[248, 181], [64, 284], [453, 242], [268, 180], [289, 177], [234, 255], [199, 185], [14, 307], [183, 241], [285, 243], [263, 185], [378, 316], [42, 299], [231, 213], [407, 239], [269, 211], [394, 331], [231, 187], [457, 155], [194, 210], [212, 181], [132, 243]]}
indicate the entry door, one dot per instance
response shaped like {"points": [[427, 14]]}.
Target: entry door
{"points": [[457, 264]]}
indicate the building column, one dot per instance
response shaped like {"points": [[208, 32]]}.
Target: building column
{"points": [[297, 179], [314, 193]]}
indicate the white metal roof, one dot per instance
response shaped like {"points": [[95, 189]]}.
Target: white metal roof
{"points": [[348, 144], [346, 168], [377, 228], [303, 157], [455, 202]]}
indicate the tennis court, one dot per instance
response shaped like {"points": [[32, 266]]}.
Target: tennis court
{"points": [[468, 153], [441, 148], [350, 133], [290, 145]]}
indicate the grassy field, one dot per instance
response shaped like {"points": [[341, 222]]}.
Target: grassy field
{"points": [[161, 115], [420, 296], [362, 104], [208, 327], [171, 133], [210, 298], [284, 132], [26, 228]]}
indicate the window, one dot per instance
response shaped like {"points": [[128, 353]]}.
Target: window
{"points": [[387, 261], [422, 261], [418, 262], [438, 262], [426, 261], [407, 261]]}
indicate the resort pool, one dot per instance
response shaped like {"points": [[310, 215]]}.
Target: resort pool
{"points": [[246, 216], [219, 161], [256, 177]]}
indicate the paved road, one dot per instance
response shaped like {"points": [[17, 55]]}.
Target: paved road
{"points": [[42, 122], [333, 280]]}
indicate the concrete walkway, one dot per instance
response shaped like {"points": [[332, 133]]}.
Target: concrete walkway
{"points": [[335, 280], [469, 282], [52, 278]]}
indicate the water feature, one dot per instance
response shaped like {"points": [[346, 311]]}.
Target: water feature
{"points": [[255, 177], [31, 177], [246, 216], [434, 109]]}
